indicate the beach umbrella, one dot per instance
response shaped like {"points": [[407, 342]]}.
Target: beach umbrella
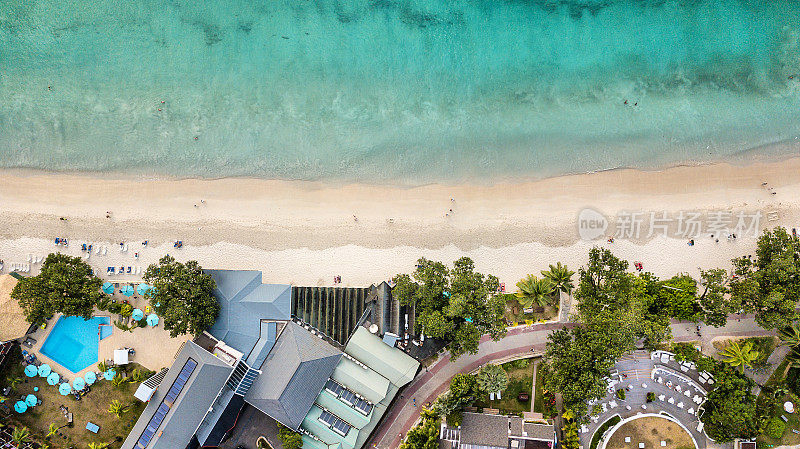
{"points": [[137, 315], [142, 289], [64, 389], [108, 375], [78, 384], [31, 371], [90, 377], [127, 290], [53, 379], [44, 370], [108, 287], [152, 319], [31, 400], [20, 407]]}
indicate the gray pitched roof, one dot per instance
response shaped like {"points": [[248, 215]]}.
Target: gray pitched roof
{"points": [[190, 406], [244, 301], [292, 375], [484, 430], [539, 431]]}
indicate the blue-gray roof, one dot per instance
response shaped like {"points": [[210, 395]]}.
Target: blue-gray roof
{"points": [[292, 375], [244, 301], [189, 407]]}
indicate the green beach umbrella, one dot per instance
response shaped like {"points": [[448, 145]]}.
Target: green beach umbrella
{"points": [[108, 288], [127, 290], [31, 371], [78, 384], [20, 407], [31, 400], [44, 370], [90, 377], [137, 315], [64, 389], [53, 379], [152, 319]]}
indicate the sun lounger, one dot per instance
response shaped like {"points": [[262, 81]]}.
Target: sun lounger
{"points": [[29, 342], [785, 419]]}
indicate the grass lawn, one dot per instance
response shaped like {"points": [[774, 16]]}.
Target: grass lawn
{"points": [[538, 400], [515, 315], [520, 376], [789, 437], [651, 431], [92, 407]]}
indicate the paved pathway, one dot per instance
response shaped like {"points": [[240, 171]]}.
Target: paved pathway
{"points": [[430, 383]]}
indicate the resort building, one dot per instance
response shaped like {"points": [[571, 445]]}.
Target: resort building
{"points": [[486, 431], [257, 355]]}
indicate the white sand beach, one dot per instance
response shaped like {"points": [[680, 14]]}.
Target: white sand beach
{"points": [[305, 233]]}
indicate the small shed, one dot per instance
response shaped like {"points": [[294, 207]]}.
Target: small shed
{"points": [[121, 356]]}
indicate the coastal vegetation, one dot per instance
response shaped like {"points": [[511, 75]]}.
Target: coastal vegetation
{"points": [[64, 285], [289, 438], [424, 435], [456, 305], [183, 296]]}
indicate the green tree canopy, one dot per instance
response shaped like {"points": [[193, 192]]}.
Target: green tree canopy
{"points": [[714, 299], [183, 296], [64, 285], [768, 285], [492, 378], [535, 291], [456, 305], [561, 277], [425, 435], [289, 438]]}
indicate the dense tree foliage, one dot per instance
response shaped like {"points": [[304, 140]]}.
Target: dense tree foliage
{"points": [[492, 378], [65, 284], [289, 438], [183, 296], [731, 410], [714, 300], [464, 389], [425, 435], [768, 285], [457, 305]]}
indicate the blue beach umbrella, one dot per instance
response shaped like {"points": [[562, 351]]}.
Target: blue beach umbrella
{"points": [[108, 288], [137, 314], [30, 400], [152, 319], [90, 377], [78, 384], [44, 370], [108, 375], [127, 290], [64, 389], [31, 371], [53, 379], [20, 407], [142, 289]]}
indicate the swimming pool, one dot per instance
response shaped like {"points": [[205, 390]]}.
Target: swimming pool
{"points": [[73, 341]]}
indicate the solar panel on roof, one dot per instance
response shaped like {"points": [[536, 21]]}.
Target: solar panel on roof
{"points": [[348, 397], [158, 417]]}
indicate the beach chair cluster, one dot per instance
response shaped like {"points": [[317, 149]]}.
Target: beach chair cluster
{"points": [[133, 270]]}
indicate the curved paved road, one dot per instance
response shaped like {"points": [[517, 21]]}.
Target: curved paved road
{"points": [[429, 384]]}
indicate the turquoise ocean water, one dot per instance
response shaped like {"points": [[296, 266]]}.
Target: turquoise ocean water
{"points": [[398, 91]]}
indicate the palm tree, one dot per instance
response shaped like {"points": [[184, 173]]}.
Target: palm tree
{"points": [[97, 445], [118, 380], [117, 409], [740, 355], [533, 290], [137, 375], [790, 335], [20, 435], [102, 367], [52, 430], [13, 382], [561, 277]]}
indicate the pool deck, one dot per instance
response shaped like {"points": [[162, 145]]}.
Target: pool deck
{"points": [[155, 349]]}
